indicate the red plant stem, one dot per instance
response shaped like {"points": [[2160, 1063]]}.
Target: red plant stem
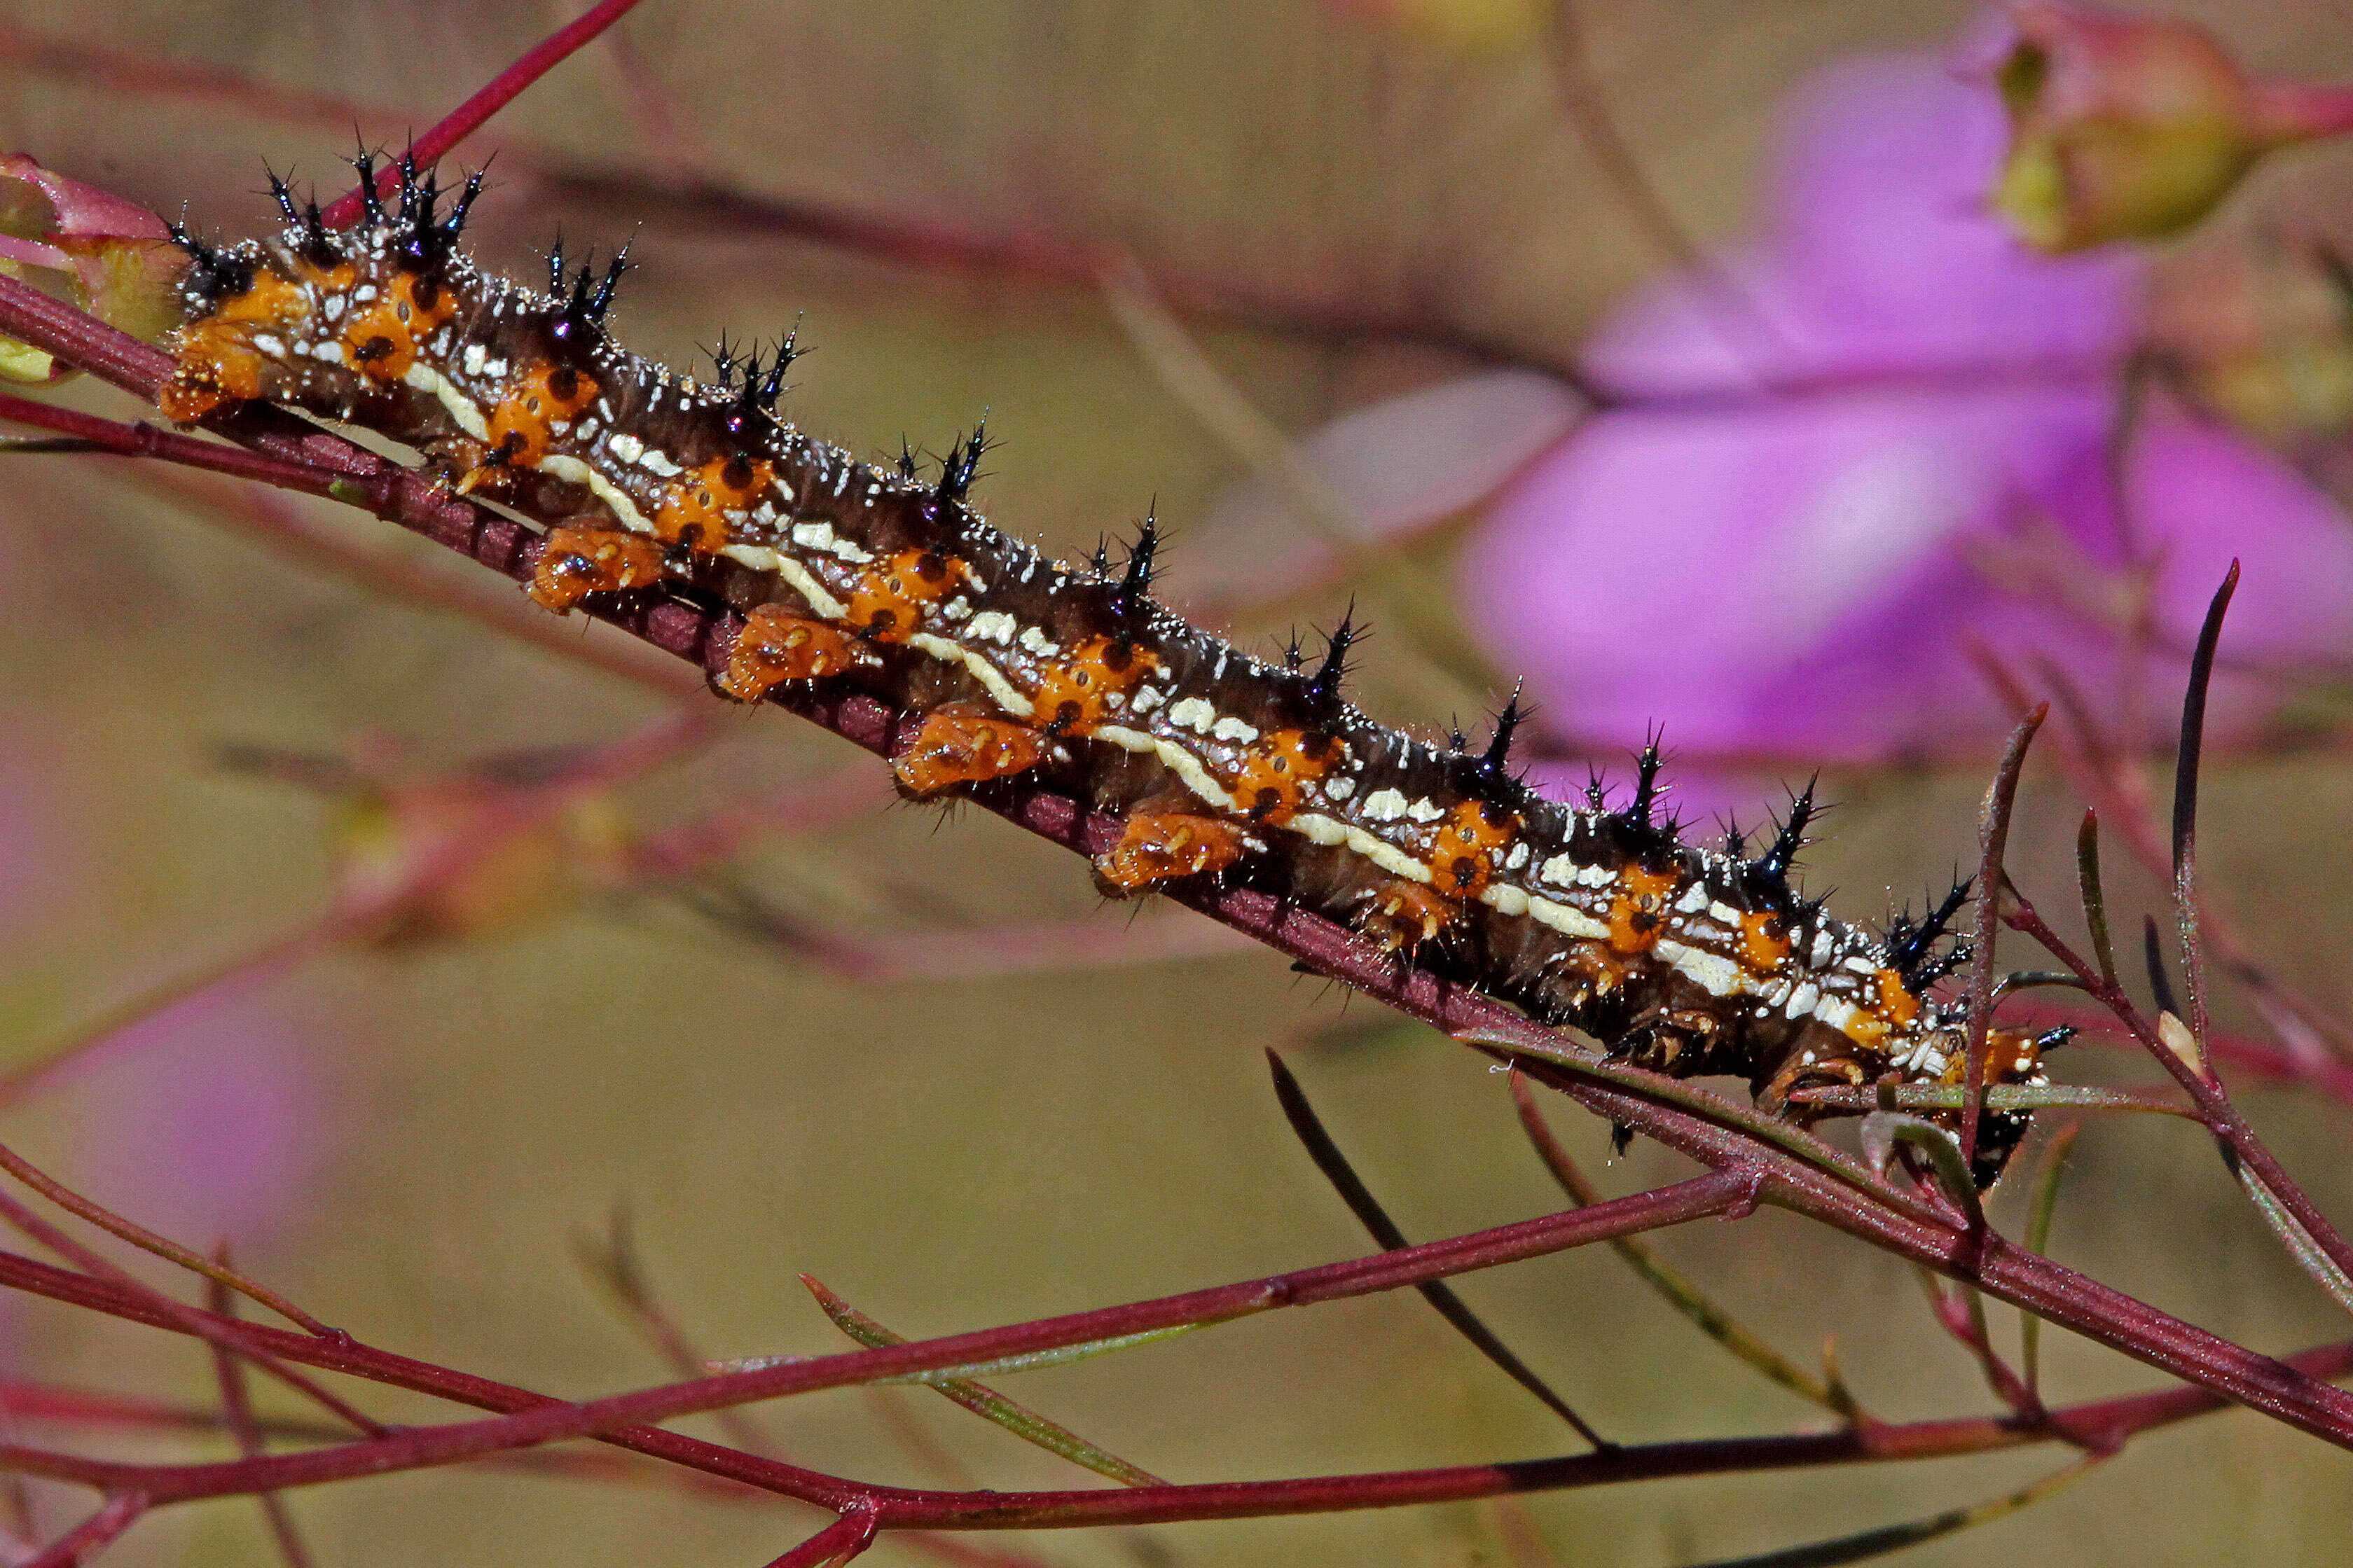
{"points": [[144, 440], [1993, 838], [2103, 1424], [2215, 1108], [222, 1333], [1884, 1216], [1997, 1266], [92, 1535], [840, 1541], [237, 1407], [1714, 1192], [2298, 111], [468, 117]]}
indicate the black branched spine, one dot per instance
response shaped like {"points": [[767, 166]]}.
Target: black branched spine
{"points": [[1324, 686], [1494, 767], [1777, 860], [1910, 947], [961, 466], [1135, 584]]}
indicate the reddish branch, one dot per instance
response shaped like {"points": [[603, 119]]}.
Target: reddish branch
{"points": [[469, 116], [2100, 1425], [1745, 1168]]}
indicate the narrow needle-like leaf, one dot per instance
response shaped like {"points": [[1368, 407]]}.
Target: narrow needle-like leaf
{"points": [[1334, 1164], [1679, 1293], [2185, 803], [1866, 1544], [987, 1403], [2096, 898], [2308, 1254], [2037, 1234]]}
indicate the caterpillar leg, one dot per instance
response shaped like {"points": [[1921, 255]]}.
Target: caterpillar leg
{"points": [[578, 562], [777, 646], [967, 742], [1400, 915], [1157, 846]]}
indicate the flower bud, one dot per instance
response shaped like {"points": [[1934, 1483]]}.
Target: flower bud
{"points": [[2259, 332], [2126, 127], [104, 255]]}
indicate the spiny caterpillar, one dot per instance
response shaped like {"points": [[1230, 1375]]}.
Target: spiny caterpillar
{"points": [[1686, 960]]}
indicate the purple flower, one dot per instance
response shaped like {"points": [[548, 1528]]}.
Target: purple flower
{"points": [[208, 1121], [1872, 439]]}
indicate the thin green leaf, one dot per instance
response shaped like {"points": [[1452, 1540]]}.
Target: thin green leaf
{"points": [[1877, 1543], [1679, 1293], [2002, 1096], [2037, 1234], [2308, 1254], [990, 1405], [1771, 1130], [1320, 1148], [2095, 898], [2187, 760]]}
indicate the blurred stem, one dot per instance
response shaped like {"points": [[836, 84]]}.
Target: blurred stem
{"points": [[215, 1270], [237, 1403], [1746, 329], [469, 117], [1402, 594], [93, 1535]]}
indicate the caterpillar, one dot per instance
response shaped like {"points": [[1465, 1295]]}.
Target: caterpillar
{"points": [[1688, 960]]}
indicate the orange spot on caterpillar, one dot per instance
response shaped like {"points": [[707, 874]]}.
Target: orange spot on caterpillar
{"points": [[539, 398], [380, 338], [1764, 943], [777, 646], [1461, 856], [219, 362], [578, 562], [1892, 1007], [888, 603], [1074, 697], [1157, 846], [966, 743], [1637, 915], [693, 512], [1276, 768], [215, 369]]}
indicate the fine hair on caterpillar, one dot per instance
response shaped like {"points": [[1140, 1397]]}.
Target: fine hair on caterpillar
{"points": [[1684, 959]]}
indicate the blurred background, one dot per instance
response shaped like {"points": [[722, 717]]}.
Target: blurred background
{"points": [[1675, 359]]}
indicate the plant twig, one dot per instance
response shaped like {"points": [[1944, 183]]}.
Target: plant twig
{"points": [[1993, 837], [468, 117], [92, 1535], [1317, 1140], [986, 1402], [837, 1543], [215, 1269], [237, 1404], [1686, 1298]]}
